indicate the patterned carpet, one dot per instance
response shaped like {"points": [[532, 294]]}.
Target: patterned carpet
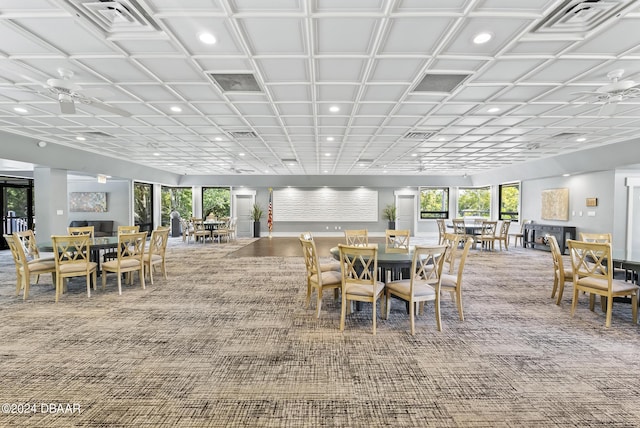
{"points": [[227, 342]]}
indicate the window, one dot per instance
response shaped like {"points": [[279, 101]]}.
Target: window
{"points": [[176, 199], [434, 202], [216, 201], [143, 206], [474, 202], [510, 201]]}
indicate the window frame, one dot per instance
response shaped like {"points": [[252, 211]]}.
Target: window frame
{"points": [[476, 188], [434, 215], [502, 215]]}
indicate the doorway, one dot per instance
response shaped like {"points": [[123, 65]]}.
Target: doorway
{"points": [[243, 204], [16, 201], [406, 213]]}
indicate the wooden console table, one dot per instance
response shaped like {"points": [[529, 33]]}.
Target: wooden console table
{"points": [[534, 231]]}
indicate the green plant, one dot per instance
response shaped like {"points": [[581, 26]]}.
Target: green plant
{"points": [[390, 212], [256, 212]]}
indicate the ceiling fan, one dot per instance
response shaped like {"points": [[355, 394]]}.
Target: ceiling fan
{"points": [[614, 92], [68, 93]]}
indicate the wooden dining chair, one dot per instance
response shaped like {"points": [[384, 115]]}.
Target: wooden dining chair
{"points": [[442, 229], [130, 259], [452, 276], [26, 268], [317, 278], [423, 284], [561, 275], [503, 235], [357, 237], [519, 236], [592, 265], [128, 229], [397, 241], [595, 237], [487, 235], [81, 230], [73, 258], [156, 254], [359, 279]]}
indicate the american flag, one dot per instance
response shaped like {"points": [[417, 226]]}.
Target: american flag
{"points": [[270, 215]]}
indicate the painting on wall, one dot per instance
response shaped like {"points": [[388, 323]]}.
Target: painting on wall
{"points": [[95, 202], [555, 204]]}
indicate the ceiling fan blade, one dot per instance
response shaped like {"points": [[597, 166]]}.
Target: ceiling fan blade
{"points": [[607, 109], [108, 108]]}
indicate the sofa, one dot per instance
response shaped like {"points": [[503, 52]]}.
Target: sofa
{"points": [[100, 227]]}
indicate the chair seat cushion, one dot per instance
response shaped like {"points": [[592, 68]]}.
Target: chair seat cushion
{"points": [[125, 264], [364, 289], [568, 275], [155, 258], [39, 265], [330, 266], [420, 289], [75, 267], [448, 281], [330, 277], [616, 285]]}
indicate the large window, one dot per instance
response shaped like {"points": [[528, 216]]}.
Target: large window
{"points": [[143, 206], [434, 202], [474, 202], [176, 199], [510, 201], [216, 201]]}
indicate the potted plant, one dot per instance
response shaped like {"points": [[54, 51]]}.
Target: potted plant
{"points": [[390, 214], [256, 215]]}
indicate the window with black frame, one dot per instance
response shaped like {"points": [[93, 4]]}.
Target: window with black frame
{"points": [[509, 201], [434, 203], [143, 206], [216, 202]]}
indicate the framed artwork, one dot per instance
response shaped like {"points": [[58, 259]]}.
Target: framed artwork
{"points": [[555, 204], [95, 202], [592, 202]]}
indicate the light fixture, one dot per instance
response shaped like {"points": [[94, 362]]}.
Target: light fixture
{"points": [[207, 38], [414, 155], [156, 154], [482, 37], [240, 154], [330, 138], [80, 138], [334, 109], [327, 154], [42, 144], [581, 139], [176, 109], [566, 175], [20, 110], [493, 110], [218, 138]]}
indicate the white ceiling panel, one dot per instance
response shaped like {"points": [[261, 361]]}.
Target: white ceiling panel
{"points": [[309, 56]]}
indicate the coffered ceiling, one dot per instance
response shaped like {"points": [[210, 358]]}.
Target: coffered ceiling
{"points": [[308, 87]]}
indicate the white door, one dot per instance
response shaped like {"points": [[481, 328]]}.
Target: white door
{"points": [[406, 213], [244, 227]]}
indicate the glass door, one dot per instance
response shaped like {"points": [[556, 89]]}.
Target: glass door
{"points": [[16, 200]]}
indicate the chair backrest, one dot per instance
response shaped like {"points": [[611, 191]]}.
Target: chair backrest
{"points": [[489, 228], [442, 229], [131, 246], [558, 263], [426, 266], [397, 241], [28, 241], [358, 237], [591, 259], [198, 224], [310, 256], [452, 241], [128, 229], [80, 230], [68, 249], [459, 227], [596, 237], [17, 251], [463, 259], [158, 241], [523, 224], [504, 228], [359, 265]]}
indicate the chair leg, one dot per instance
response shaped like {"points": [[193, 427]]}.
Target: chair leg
{"points": [[560, 291], [319, 302], [459, 303], [412, 310], [151, 273], [374, 316], [609, 310], [574, 302], [141, 275], [634, 307], [88, 280], [388, 305], [438, 322], [555, 286], [343, 312], [119, 283]]}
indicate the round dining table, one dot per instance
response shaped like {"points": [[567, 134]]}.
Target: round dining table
{"points": [[398, 264]]}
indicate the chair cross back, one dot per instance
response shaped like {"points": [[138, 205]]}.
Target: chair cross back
{"points": [[359, 237], [397, 241], [360, 264]]}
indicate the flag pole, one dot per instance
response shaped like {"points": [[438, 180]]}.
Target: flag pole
{"points": [[270, 213]]}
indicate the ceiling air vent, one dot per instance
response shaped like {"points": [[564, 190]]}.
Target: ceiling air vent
{"points": [[243, 135], [115, 17], [419, 135], [581, 16], [237, 82], [440, 82]]}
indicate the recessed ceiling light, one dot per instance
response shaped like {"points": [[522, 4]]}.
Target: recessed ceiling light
{"points": [[327, 154], [79, 138], [156, 154], [20, 110], [581, 139], [334, 109], [330, 138], [482, 37], [326, 172], [240, 154], [176, 109], [218, 138], [441, 139], [207, 38], [414, 154], [566, 175], [493, 110]]}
